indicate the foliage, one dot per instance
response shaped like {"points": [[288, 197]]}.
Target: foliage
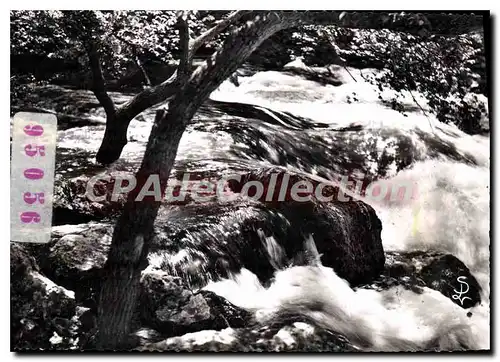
{"points": [[450, 72], [120, 35], [36, 32]]}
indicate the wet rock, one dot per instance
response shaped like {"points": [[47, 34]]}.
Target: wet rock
{"points": [[452, 278], [79, 249], [231, 315], [72, 204], [21, 262], [323, 75], [442, 272], [167, 306], [202, 242], [145, 336], [286, 334]]}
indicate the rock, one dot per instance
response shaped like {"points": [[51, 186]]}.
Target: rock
{"points": [[286, 334], [145, 336], [73, 206], [231, 315], [41, 311], [323, 75], [79, 249], [21, 262], [206, 241], [200, 242], [442, 272], [448, 275], [76, 256], [167, 306]]}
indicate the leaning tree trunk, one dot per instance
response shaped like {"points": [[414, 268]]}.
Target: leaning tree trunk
{"points": [[128, 253], [134, 230]]}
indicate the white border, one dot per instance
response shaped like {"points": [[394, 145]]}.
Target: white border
{"points": [[189, 4]]}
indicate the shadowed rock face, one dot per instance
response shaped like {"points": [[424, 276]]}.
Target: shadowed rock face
{"points": [[199, 242], [452, 278], [41, 311], [202, 242], [48, 316], [168, 306]]}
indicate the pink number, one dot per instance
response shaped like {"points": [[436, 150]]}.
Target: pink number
{"points": [[33, 173], [30, 217], [31, 198], [32, 150], [35, 130]]}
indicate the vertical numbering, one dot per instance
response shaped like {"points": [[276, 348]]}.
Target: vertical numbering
{"points": [[32, 176]]}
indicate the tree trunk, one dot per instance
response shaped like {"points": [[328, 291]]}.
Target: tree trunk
{"points": [[133, 232], [115, 136], [134, 229]]}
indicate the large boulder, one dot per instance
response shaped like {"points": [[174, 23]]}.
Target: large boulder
{"points": [[450, 276], [200, 242], [76, 256]]}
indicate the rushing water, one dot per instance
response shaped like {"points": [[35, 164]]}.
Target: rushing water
{"points": [[321, 132], [450, 214]]}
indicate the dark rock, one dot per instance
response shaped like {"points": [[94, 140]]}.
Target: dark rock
{"points": [[226, 314], [442, 272], [200, 242], [167, 306], [21, 262], [73, 206], [453, 279], [79, 249], [323, 75], [145, 336], [194, 241]]}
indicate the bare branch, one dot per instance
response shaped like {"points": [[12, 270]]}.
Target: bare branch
{"points": [[185, 60], [99, 84], [211, 33], [149, 97], [143, 71], [237, 47]]}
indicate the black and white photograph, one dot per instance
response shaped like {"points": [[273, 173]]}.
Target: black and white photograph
{"points": [[250, 181]]}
